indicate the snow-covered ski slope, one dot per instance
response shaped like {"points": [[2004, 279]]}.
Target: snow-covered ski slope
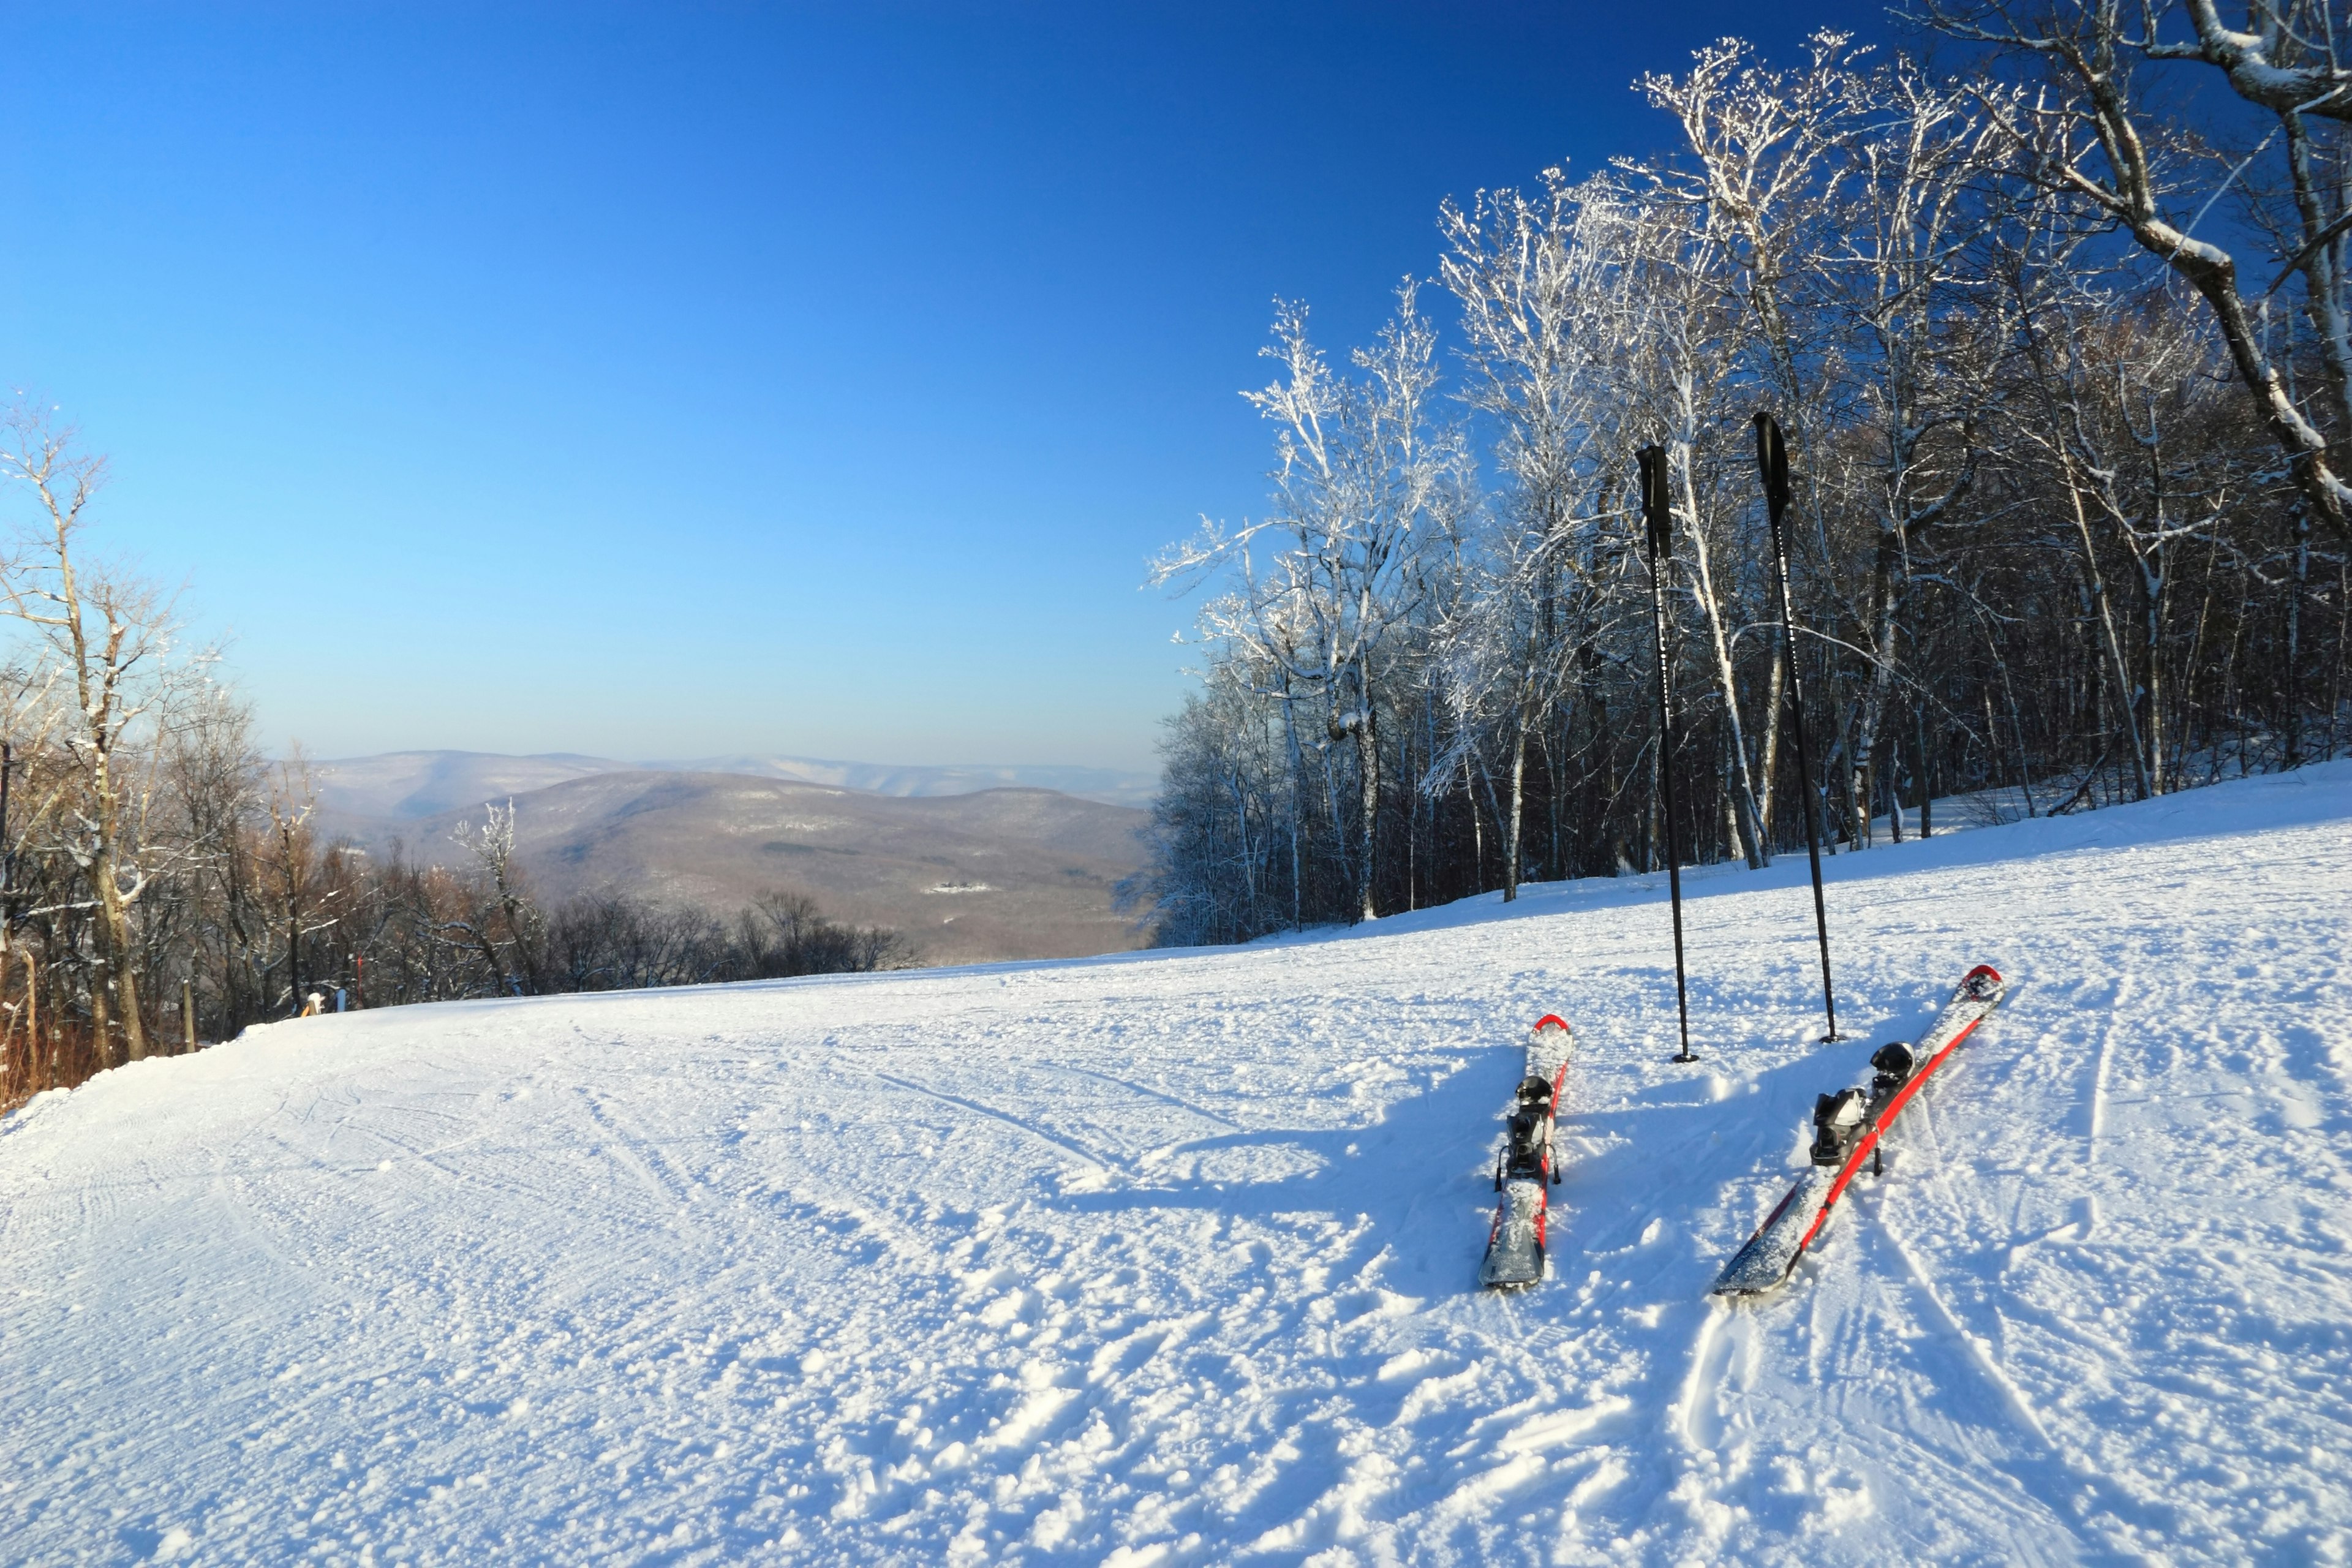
{"points": [[1171, 1258]]}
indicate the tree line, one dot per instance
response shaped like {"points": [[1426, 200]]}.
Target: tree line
{"points": [[2067, 525], [163, 884]]}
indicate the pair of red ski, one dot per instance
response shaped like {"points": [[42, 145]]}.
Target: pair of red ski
{"points": [[1847, 1127]]}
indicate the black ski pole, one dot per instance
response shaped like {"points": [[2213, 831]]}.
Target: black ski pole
{"points": [[1772, 458], [1659, 522]]}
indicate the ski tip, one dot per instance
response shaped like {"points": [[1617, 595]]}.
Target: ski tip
{"points": [[1982, 971], [1551, 1020]]}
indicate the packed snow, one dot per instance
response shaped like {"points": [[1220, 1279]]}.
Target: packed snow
{"points": [[1168, 1257]]}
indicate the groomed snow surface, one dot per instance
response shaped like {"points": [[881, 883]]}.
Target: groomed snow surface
{"points": [[1168, 1257]]}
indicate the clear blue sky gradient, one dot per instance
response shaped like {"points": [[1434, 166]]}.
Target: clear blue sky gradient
{"points": [[672, 380]]}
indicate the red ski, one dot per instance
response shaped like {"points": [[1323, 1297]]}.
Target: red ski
{"points": [[1527, 1166], [1847, 1126]]}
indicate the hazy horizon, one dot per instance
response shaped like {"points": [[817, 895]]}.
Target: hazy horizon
{"points": [[410, 782], [792, 753]]}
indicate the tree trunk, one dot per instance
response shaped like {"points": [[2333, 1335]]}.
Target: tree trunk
{"points": [[1927, 784], [1297, 807], [2098, 585], [1885, 601], [1776, 696], [1511, 831], [1747, 819], [2290, 754], [293, 932], [1478, 829], [119, 956], [1367, 779], [101, 1017]]}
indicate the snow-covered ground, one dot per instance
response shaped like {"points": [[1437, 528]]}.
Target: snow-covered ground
{"points": [[1168, 1259]]}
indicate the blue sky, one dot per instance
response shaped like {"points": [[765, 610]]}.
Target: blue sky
{"points": [[666, 381]]}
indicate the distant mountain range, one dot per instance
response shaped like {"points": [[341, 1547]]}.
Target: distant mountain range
{"points": [[420, 783], [968, 872]]}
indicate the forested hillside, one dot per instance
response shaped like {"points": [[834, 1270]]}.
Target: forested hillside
{"points": [[2067, 516], [992, 875]]}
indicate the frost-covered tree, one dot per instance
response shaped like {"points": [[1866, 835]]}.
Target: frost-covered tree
{"points": [[2047, 552], [1366, 478]]}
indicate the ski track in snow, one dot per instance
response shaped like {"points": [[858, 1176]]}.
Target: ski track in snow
{"points": [[1168, 1258]]}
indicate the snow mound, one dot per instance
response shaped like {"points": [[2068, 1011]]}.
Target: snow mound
{"points": [[1170, 1257]]}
